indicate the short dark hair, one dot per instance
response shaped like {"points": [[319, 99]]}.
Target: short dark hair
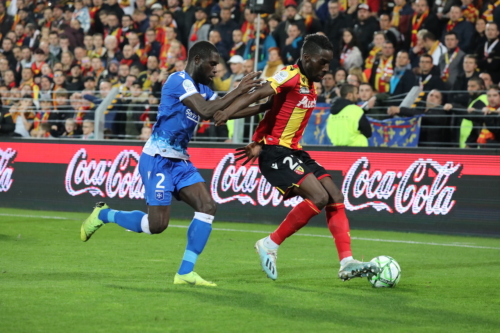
{"points": [[347, 89], [449, 33], [478, 80], [471, 56], [202, 48], [366, 84], [315, 43], [427, 55], [429, 35]]}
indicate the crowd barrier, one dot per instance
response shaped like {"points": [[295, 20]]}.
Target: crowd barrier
{"points": [[424, 190]]}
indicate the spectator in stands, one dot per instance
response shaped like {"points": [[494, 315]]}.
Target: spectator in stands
{"points": [[450, 63], [293, 44], [353, 80], [7, 45], [462, 28], [469, 70], [87, 129], [266, 42], [347, 124], [423, 18], [389, 31], [311, 21], [329, 87], [401, 16], [472, 123], [248, 27], [292, 16], [115, 118], [248, 66], [351, 55], [375, 52], [402, 79], [200, 28], [226, 27], [7, 124], [215, 38], [491, 119], [434, 131], [479, 36], [364, 29], [274, 63], [238, 46], [340, 76], [382, 70], [75, 81], [433, 47], [133, 111], [236, 65], [488, 54], [112, 49], [487, 78], [335, 24]]}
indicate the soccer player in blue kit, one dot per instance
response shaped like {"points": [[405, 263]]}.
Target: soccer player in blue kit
{"points": [[164, 164]]}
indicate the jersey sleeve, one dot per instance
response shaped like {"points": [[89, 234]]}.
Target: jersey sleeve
{"points": [[208, 93], [283, 80], [179, 87]]}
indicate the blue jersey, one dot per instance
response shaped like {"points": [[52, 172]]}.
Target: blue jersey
{"points": [[176, 123]]}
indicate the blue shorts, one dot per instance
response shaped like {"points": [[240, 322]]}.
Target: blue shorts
{"points": [[164, 177]]}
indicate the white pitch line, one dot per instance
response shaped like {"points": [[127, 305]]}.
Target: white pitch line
{"points": [[304, 235]]}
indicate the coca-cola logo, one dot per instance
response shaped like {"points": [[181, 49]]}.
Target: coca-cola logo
{"points": [[232, 182], [422, 187], [6, 159], [106, 178]]}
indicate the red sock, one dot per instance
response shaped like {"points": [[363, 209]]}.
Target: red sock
{"points": [[295, 220], [339, 227]]}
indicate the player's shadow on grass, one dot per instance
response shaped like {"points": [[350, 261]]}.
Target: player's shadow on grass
{"points": [[7, 238]]}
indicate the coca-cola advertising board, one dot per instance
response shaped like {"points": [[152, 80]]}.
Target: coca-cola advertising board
{"points": [[429, 190]]}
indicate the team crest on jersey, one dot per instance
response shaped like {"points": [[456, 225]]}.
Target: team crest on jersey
{"points": [[188, 86], [159, 195], [304, 90], [305, 103], [280, 77], [299, 170]]}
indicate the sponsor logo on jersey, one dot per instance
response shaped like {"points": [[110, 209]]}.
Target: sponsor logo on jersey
{"points": [[305, 103], [304, 90], [280, 77], [192, 116]]}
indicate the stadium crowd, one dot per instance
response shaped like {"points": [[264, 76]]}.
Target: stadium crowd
{"points": [[59, 60]]}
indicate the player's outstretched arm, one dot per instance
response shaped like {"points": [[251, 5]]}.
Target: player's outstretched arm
{"points": [[241, 104], [206, 109], [247, 112]]}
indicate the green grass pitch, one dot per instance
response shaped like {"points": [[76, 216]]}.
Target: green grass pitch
{"points": [[119, 281]]}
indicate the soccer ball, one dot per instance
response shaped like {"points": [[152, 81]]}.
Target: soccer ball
{"points": [[389, 275]]}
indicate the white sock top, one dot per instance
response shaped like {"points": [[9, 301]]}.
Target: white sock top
{"points": [[204, 217], [145, 224]]}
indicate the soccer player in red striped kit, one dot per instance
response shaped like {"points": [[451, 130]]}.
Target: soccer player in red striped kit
{"points": [[283, 162]]}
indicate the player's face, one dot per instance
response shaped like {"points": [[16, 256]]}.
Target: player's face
{"points": [[317, 65], [208, 68]]}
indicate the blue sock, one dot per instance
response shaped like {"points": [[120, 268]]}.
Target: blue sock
{"points": [[197, 235], [128, 220]]}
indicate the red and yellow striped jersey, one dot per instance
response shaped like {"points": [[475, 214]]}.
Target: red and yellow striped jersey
{"points": [[293, 104]]}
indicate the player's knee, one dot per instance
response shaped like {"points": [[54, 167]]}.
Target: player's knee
{"points": [[158, 225], [209, 207], [338, 197], [320, 200]]}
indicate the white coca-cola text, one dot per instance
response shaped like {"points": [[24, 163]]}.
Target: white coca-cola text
{"points": [[105, 178], [398, 191], [6, 158], [248, 184]]}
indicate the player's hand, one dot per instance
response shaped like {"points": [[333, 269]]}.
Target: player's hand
{"points": [[220, 118], [251, 152], [248, 83]]}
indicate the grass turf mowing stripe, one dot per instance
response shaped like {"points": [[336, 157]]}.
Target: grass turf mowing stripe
{"points": [[298, 234]]}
